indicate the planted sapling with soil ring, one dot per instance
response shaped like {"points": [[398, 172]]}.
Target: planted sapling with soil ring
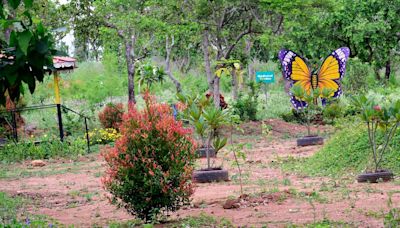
{"points": [[308, 106], [207, 121], [382, 118]]}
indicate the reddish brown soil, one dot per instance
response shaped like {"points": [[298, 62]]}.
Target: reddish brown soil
{"points": [[71, 192]]}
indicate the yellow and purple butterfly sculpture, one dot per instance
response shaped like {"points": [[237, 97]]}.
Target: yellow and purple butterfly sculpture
{"points": [[297, 72]]}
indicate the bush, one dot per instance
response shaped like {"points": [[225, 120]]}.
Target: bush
{"points": [[356, 78], [246, 105], [150, 167], [332, 111], [300, 117], [111, 116]]}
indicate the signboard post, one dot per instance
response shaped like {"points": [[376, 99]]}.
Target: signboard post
{"points": [[265, 77]]}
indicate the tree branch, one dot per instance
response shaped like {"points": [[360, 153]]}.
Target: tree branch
{"points": [[238, 38], [120, 32], [281, 17]]}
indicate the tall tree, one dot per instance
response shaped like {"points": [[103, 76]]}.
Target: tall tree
{"points": [[371, 29], [135, 26], [85, 22], [225, 25]]}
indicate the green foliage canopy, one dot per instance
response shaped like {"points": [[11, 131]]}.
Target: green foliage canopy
{"points": [[26, 49]]}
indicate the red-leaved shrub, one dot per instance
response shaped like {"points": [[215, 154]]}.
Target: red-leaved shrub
{"points": [[149, 170], [111, 116]]}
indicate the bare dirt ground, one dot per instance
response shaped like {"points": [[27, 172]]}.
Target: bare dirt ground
{"points": [[71, 191]]}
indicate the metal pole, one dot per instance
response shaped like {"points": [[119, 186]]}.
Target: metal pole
{"points": [[58, 103], [60, 124], [14, 126], [87, 135]]}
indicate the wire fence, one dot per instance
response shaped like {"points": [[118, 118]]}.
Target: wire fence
{"points": [[42, 122]]}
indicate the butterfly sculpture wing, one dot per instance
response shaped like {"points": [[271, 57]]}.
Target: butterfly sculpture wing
{"points": [[296, 72], [332, 71]]}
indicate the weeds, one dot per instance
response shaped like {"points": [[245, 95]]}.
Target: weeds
{"points": [[52, 148]]}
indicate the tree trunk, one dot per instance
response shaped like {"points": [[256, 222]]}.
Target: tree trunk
{"points": [[210, 75], [234, 85], [216, 92], [168, 48], [387, 70], [377, 75], [131, 72], [250, 67]]}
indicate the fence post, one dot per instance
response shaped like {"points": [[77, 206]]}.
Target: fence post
{"points": [[14, 125], [60, 124], [87, 135], [58, 103]]}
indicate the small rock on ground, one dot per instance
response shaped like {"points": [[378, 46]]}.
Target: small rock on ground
{"points": [[231, 203], [38, 163]]}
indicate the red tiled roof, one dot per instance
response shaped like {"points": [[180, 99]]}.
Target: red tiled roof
{"points": [[60, 62], [64, 63], [60, 59]]}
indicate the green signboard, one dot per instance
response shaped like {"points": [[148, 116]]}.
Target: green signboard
{"points": [[265, 76]]}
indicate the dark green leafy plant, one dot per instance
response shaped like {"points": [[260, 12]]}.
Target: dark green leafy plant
{"points": [[246, 105], [26, 51], [193, 113], [382, 118], [148, 74]]}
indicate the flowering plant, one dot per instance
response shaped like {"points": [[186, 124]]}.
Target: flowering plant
{"points": [[149, 170], [103, 136]]}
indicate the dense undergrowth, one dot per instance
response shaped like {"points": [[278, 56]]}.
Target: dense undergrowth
{"points": [[51, 148], [346, 152]]}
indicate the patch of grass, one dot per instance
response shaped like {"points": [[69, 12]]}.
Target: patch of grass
{"points": [[74, 193], [203, 220], [347, 152], [89, 196], [325, 223], [125, 224], [11, 214], [286, 182], [8, 208], [12, 171], [392, 218], [375, 214]]}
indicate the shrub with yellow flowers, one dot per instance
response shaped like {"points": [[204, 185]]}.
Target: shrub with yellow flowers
{"points": [[103, 136]]}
